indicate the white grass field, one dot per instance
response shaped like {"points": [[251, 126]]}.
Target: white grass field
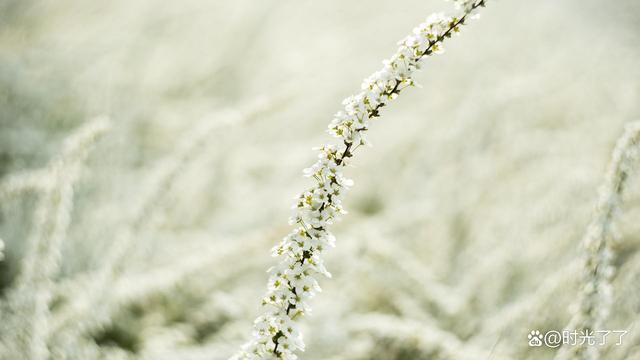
{"points": [[147, 235]]}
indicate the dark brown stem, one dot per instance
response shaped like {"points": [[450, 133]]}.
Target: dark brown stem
{"points": [[374, 113], [348, 150]]}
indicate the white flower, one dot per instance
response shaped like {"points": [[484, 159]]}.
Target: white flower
{"points": [[293, 282]]}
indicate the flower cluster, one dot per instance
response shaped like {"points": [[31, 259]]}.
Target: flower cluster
{"points": [[293, 282], [467, 5]]}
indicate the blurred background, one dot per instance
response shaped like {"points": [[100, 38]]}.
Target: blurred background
{"points": [[465, 220]]}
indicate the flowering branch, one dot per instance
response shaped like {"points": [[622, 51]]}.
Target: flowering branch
{"points": [[292, 283], [596, 296], [92, 297], [15, 184], [24, 333]]}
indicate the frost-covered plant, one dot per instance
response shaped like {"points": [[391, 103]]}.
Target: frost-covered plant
{"points": [[29, 301], [292, 283], [596, 296]]}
